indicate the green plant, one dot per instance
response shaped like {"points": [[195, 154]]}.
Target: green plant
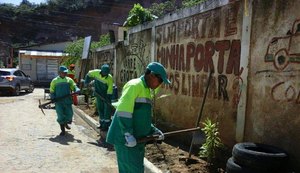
{"points": [[138, 15], [212, 142], [160, 9], [75, 48], [190, 3]]}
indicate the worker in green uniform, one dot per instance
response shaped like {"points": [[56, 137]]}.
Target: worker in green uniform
{"points": [[71, 72], [60, 91], [132, 119], [103, 84]]}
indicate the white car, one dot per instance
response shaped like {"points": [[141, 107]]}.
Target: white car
{"points": [[13, 81]]}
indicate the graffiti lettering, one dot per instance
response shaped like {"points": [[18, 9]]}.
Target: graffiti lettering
{"points": [[166, 34], [237, 91], [181, 57], [222, 79], [231, 19], [129, 63], [204, 25], [127, 74], [285, 92], [195, 85], [105, 57]]}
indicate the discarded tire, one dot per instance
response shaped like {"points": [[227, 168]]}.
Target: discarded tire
{"points": [[232, 167], [260, 157]]}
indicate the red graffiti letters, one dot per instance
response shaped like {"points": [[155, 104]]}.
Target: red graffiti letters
{"points": [[199, 57]]}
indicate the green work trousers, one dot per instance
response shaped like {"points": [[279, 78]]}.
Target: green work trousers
{"points": [[130, 159], [104, 111], [64, 113]]}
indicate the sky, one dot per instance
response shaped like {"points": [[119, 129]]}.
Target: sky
{"points": [[17, 2]]}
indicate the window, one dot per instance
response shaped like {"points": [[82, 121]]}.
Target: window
{"points": [[23, 74], [4, 73], [18, 73]]}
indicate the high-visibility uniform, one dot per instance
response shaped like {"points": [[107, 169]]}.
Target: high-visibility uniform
{"points": [[60, 87], [103, 88], [71, 74], [132, 115]]}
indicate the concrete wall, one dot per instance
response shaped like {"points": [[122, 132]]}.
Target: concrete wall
{"points": [[273, 105], [190, 44], [104, 55], [133, 57], [255, 91], [190, 48]]}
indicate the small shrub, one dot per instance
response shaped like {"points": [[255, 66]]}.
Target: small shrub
{"points": [[208, 149]]}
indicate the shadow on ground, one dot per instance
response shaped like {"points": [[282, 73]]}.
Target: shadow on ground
{"points": [[65, 140]]}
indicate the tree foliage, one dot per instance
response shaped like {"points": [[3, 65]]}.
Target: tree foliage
{"points": [[160, 9], [68, 5], [138, 15], [75, 48], [190, 3]]}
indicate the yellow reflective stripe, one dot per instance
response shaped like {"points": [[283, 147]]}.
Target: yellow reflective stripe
{"points": [[143, 100], [61, 83], [124, 114], [102, 81]]}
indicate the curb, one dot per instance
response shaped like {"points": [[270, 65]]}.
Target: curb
{"points": [[149, 167]]}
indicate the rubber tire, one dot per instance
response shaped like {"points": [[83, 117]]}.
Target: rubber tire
{"points": [[31, 88], [232, 167], [17, 91], [260, 157]]}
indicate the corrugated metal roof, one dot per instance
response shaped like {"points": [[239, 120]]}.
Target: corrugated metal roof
{"points": [[43, 53]]}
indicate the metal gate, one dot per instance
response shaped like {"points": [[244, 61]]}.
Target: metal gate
{"points": [[46, 69]]}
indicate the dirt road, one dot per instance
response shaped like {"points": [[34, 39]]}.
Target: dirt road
{"points": [[29, 141]]}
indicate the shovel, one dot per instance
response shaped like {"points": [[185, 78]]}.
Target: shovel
{"points": [[167, 134], [196, 134]]}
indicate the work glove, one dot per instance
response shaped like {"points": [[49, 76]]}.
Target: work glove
{"points": [[77, 91], [130, 140], [160, 134]]}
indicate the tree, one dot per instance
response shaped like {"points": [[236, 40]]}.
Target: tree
{"points": [[138, 15], [190, 3], [160, 9], [75, 48], [67, 5]]}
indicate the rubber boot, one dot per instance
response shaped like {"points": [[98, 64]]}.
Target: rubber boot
{"points": [[62, 128], [67, 126]]}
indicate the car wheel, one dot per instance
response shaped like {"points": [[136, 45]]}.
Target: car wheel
{"points": [[281, 59], [31, 88], [260, 157], [17, 90]]}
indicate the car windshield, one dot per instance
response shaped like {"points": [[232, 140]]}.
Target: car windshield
{"points": [[4, 73]]}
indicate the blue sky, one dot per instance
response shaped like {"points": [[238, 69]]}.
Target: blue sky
{"points": [[17, 2]]}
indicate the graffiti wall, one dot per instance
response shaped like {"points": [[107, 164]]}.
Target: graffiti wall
{"points": [[191, 48], [273, 107], [133, 59], [105, 56], [254, 76]]}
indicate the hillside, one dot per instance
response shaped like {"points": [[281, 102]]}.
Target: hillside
{"points": [[42, 26]]}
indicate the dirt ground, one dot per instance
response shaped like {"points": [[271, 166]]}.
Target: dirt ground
{"points": [[171, 157]]}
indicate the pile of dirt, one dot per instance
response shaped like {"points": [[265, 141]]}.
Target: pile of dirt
{"points": [[174, 160], [171, 157]]}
